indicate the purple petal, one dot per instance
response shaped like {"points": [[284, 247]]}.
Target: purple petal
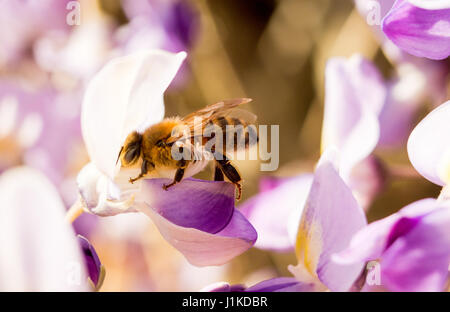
{"points": [[93, 263], [420, 32], [271, 211], [204, 205], [330, 219], [201, 229], [428, 150], [223, 287], [370, 243], [170, 25], [278, 284], [413, 246], [281, 284], [400, 228], [419, 259], [182, 23]]}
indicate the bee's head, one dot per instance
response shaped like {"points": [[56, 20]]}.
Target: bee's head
{"points": [[131, 149]]}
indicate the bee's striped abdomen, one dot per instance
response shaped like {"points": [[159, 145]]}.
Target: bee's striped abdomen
{"points": [[236, 133]]}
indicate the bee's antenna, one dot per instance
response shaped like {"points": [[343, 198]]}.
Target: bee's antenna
{"points": [[118, 156]]}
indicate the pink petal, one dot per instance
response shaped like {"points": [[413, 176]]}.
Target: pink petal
{"points": [[39, 250], [400, 110], [367, 180], [355, 95], [428, 148], [272, 211]]}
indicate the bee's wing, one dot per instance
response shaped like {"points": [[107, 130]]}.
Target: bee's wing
{"points": [[198, 120], [241, 114], [212, 110]]}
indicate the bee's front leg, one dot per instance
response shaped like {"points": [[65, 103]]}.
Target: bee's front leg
{"points": [[144, 171]]}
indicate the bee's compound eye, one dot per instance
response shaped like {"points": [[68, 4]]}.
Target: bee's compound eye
{"points": [[132, 153]]}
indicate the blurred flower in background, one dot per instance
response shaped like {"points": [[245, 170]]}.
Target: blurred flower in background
{"points": [[170, 25], [39, 250], [24, 22], [428, 147]]}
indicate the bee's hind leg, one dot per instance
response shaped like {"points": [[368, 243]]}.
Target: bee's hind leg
{"points": [[144, 170], [218, 174], [179, 174], [231, 173]]}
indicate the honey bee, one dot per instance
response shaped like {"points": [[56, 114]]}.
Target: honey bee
{"points": [[154, 149]]}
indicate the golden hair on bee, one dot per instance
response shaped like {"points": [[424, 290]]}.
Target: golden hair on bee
{"points": [[154, 148]]}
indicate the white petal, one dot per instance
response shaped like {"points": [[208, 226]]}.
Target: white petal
{"points": [[125, 95], [38, 249], [103, 196], [428, 145], [431, 4]]}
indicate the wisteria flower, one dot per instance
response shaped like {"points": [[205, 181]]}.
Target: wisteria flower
{"points": [[429, 148], [412, 247], [196, 217], [39, 250], [328, 218], [420, 27]]}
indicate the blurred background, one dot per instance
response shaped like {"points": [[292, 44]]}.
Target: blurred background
{"points": [[273, 51]]}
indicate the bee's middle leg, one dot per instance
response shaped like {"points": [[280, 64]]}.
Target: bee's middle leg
{"points": [[144, 170], [179, 174]]}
